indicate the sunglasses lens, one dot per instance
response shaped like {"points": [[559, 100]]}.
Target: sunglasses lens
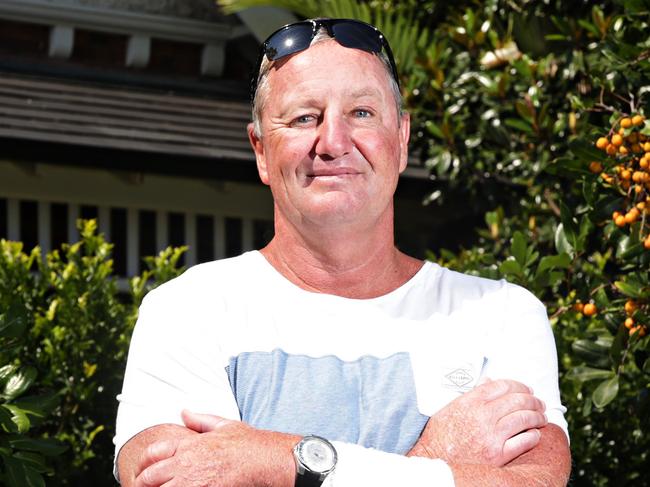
{"points": [[357, 35], [289, 41]]}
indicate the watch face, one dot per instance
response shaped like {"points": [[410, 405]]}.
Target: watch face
{"points": [[317, 455]]}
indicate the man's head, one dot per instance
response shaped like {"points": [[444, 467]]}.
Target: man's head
{"points": [[330, 141], [298, 36]]}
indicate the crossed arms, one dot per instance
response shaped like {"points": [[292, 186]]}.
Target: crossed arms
{"points": [[494, 435]]}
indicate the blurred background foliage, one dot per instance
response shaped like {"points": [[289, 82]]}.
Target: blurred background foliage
{"points": [[509, 101]]}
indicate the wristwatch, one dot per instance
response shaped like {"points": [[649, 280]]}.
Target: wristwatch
{"points": [[315, 460]]}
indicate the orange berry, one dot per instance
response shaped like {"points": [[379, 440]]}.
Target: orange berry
{"points": [[621, 131], [638, 188], [590, 309], [615, 215], [637, 120], [632, 216], [640, 205], [646, 146], [626, 123], [641, 331], [629, 323], [617, 140], [625, 185], [636, 148], [595, 167], [611, 149], [578, 307], [602, 143], [620, 221], [623, 150], [625, 175], [643, 163], [631, 306], [633, 330], [646, 243]]}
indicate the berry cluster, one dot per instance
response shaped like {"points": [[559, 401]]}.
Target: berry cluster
{"points": [[630, 151], [630, 307]]}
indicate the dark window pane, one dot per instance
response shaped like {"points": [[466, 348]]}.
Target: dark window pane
{"points": [[29, 224], [204, 238], [88, 212], [118, 239], [234, 242], [3, 218], [58, 224], [147, 235], [176, 231], [262, 233]]}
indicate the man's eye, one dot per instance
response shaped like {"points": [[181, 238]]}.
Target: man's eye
{"points": [[303, 119], [360, 113]]}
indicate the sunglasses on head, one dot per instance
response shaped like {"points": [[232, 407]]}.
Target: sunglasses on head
{"points": [[296, 37]]}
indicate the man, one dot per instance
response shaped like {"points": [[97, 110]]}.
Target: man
{"points": [[408, 374]]}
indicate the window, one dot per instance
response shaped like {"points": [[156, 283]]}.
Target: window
{"points": [[146, 235], [3, 218], [176, 231], [234, 241], [118, 239], [58, 224], [29, 224], [204, 238]]}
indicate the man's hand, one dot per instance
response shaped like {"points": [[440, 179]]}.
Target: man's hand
{"points": [[490, 425], [226, 453]]}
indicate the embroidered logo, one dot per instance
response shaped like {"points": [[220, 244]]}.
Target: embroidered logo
{"points": [[458, 378]]}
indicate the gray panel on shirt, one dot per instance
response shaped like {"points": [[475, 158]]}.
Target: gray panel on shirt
{"points": [[369, 401]]}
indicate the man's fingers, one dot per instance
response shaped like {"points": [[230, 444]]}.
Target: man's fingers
{"points": [[156, 475], [157, 451], [496, 388], [203, 423], [519, 444], [518, 401], [520, 421]]}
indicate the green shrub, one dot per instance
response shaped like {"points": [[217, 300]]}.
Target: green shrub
{"points": [[64, 334]]}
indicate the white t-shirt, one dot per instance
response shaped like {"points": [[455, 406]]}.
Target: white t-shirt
{"points": [[235, 338]]}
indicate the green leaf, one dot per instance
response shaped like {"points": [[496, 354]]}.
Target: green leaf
{"points": [[605, 392], [6, 421], [583, 373], [561, 261], [519, 248], [14, 322], [562, 244], [586, 151], [19, 417], [19, 382], [519, 124], [47, 447], [510, 267], [629, 290], [569, 225]]}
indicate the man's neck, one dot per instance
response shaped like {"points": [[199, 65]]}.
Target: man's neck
{"points": [[353, 263]]}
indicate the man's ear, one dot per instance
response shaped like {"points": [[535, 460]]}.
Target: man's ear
{"points": [[404, 136], [258, 147]]}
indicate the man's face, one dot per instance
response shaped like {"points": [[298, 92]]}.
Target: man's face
{"points": [[332, 146]]}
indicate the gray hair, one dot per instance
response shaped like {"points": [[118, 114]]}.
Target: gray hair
{"points": [[263, 84]]}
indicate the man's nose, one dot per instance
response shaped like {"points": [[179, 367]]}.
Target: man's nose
{"points": [[334, 137]]}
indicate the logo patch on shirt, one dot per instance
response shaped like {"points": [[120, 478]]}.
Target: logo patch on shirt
{"points": [[459, 378]]}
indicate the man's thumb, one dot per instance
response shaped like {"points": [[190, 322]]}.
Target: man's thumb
{"points": [[202, 423]]}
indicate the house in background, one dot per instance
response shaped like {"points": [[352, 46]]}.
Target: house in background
{"points": [[135, 113]]}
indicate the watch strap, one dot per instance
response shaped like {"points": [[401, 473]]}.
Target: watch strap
{"points": [[308, 479]]}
